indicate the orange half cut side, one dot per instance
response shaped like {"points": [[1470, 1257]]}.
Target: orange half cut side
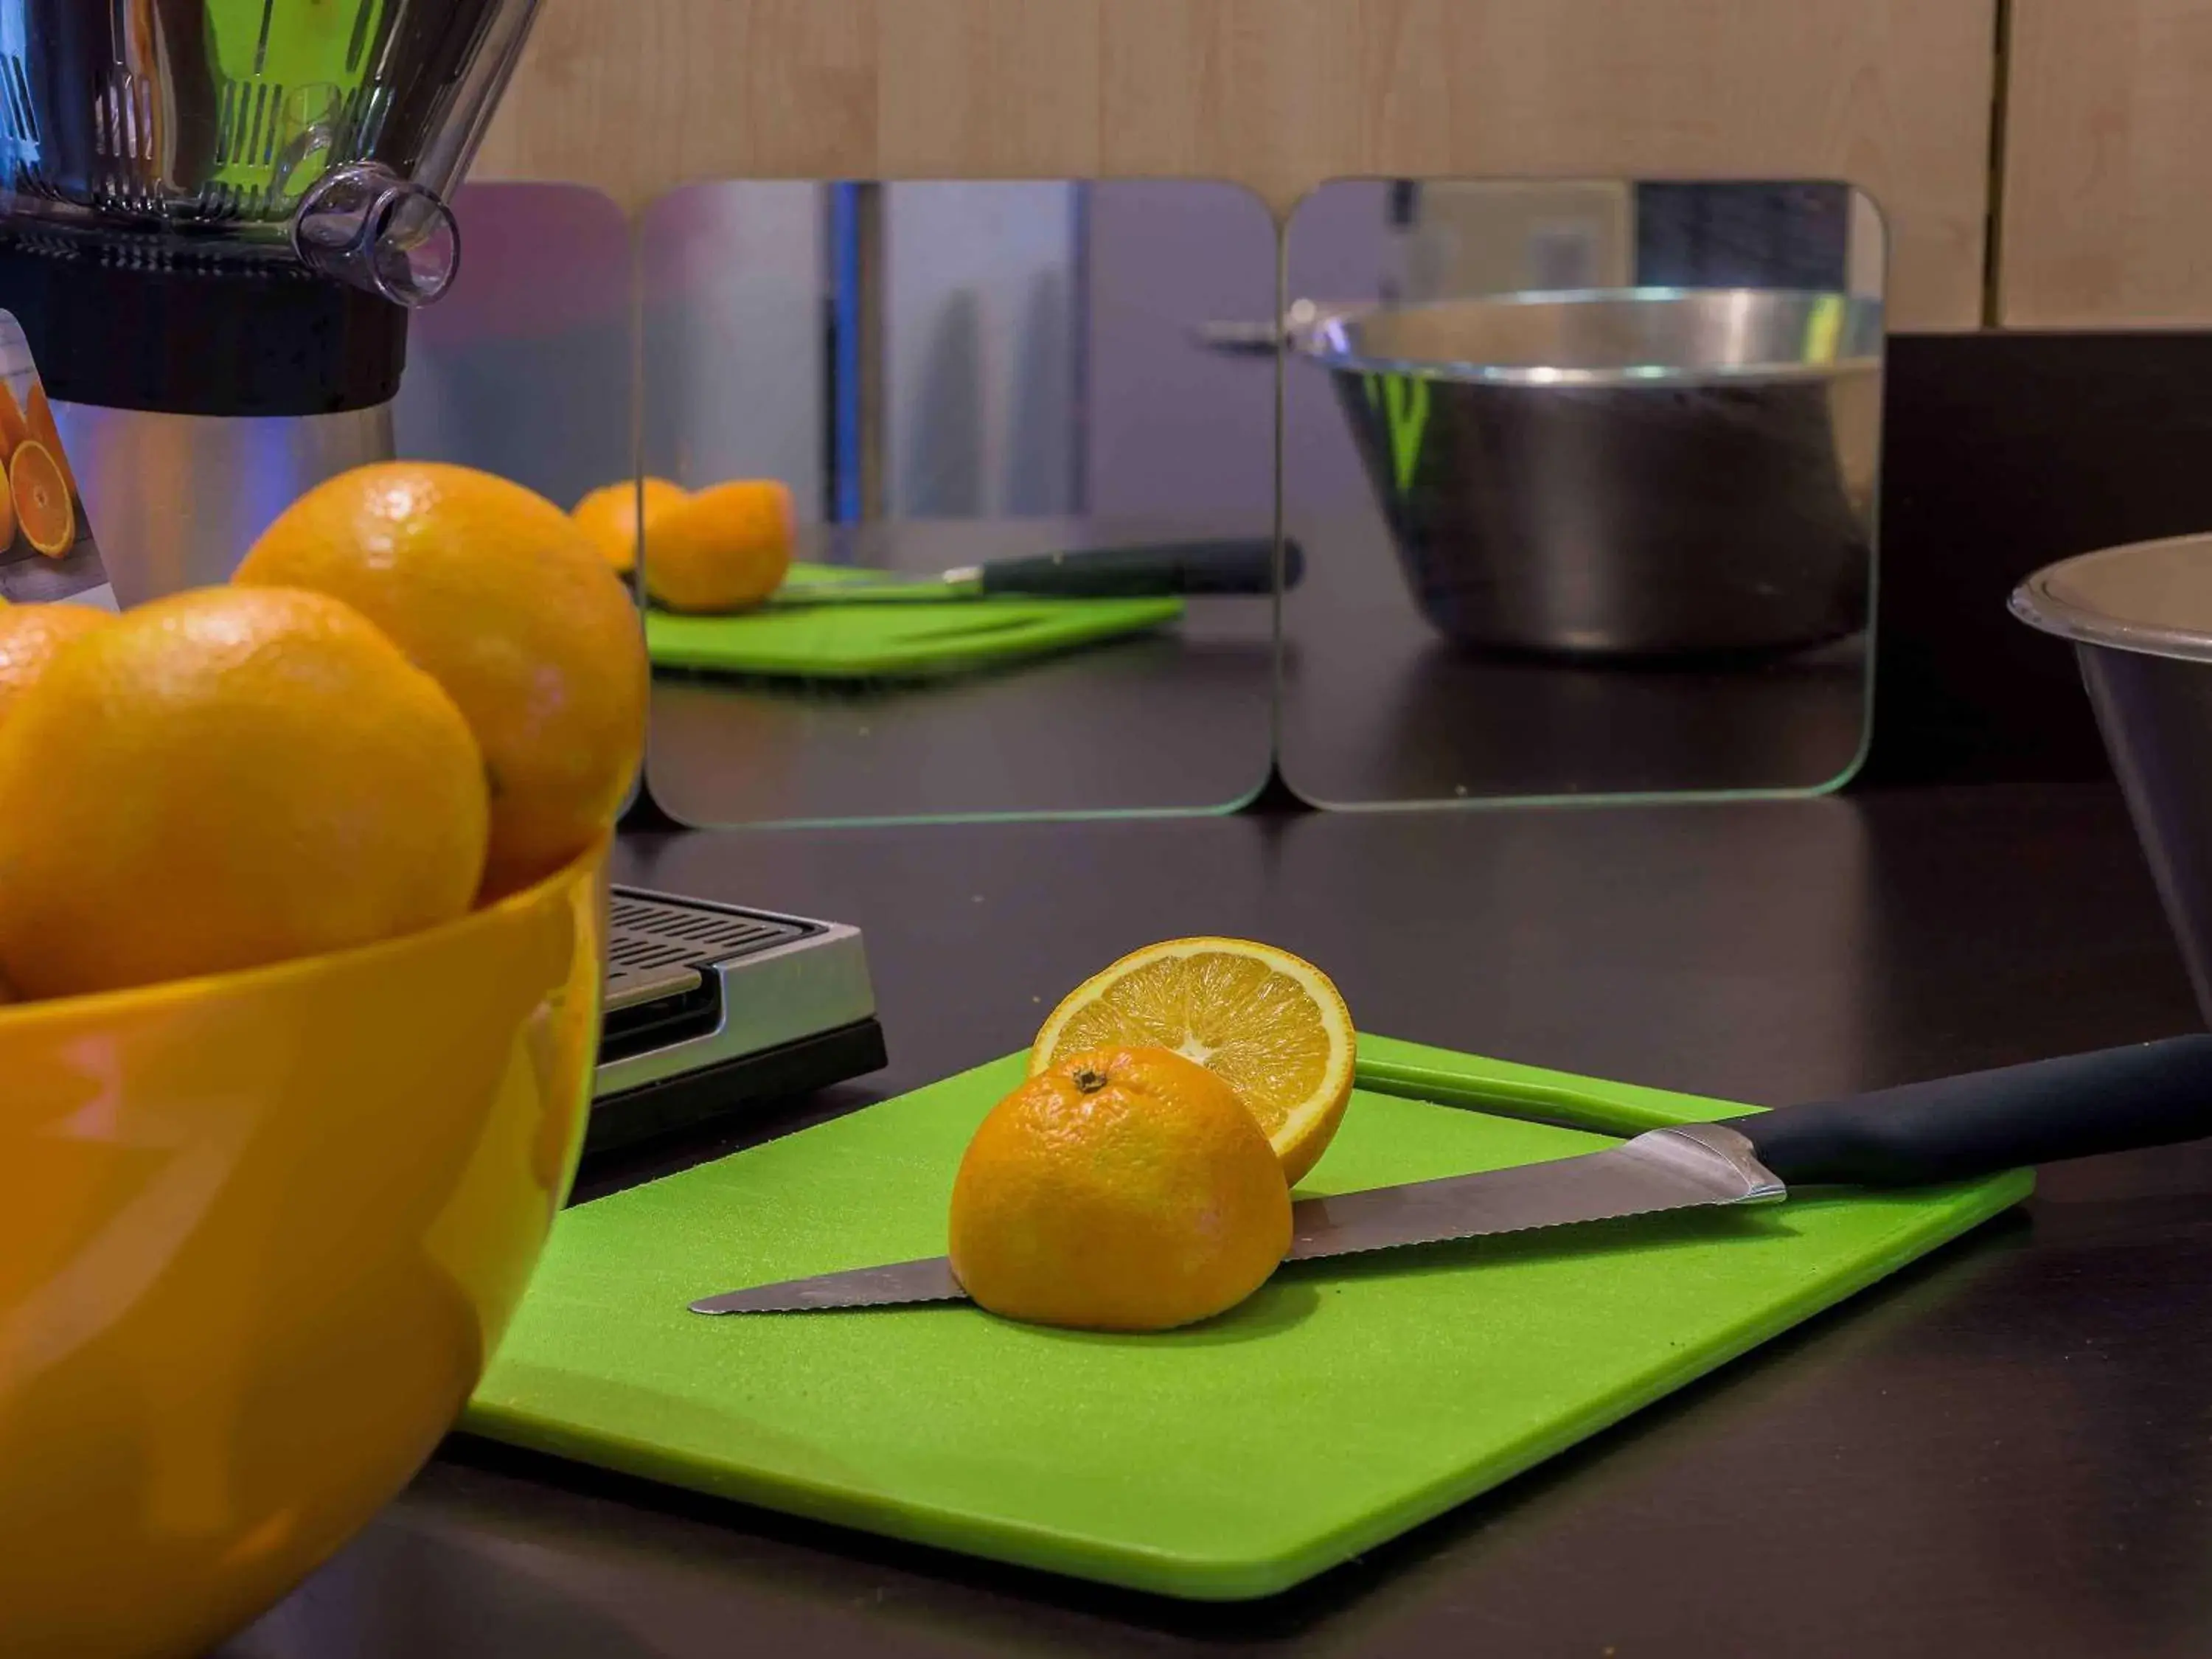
{"points": [[41, 497]]}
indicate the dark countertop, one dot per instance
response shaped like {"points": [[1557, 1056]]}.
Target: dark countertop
{"points": [[2007, 1449], [1375, 703]]}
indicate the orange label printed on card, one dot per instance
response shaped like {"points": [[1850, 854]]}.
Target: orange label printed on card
{"points": [[47, 548]]}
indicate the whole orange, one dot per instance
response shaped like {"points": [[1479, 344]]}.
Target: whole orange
{"points": [[1123, 1189], [224, 778], [511, 608], [609, 515], [30, 637], [723, 549]]}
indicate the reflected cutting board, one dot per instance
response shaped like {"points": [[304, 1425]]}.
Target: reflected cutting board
{"points": [[1344, 1403], [943, 634]]}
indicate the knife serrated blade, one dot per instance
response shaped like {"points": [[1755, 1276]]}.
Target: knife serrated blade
{"points": [[892, 1285], [1683, 1167]]}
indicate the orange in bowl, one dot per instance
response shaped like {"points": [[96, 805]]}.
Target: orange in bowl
{"points": [[32, 635], [258, 1233], [500, 597], [223, 778]]}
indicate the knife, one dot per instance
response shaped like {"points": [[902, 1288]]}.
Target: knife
{"points": [[2150, 1094], [1153, 570]]}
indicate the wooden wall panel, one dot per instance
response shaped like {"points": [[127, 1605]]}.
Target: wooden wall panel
{"points": [[975, 87], [2107, 186], [636, 96], [1266, 92]]}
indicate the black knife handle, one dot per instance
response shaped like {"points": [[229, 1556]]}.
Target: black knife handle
{"points": [[1242, 566], [2115, 1100]]}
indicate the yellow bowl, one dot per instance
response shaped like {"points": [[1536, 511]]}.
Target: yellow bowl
{"points": [[258, 1234]]}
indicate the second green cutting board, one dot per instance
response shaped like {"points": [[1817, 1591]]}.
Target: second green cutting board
{"points": [[932, 637], [1345, 1402]]}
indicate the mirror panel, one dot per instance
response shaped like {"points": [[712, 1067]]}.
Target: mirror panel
{"points": [[946, 376], [523, 368], [1585, 472]]}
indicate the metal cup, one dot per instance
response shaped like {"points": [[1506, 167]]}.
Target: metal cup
{"points": [[1644, 472], [2140, 618]]}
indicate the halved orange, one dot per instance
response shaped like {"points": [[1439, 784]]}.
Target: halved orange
{"points": [[726, 548], [1124, 1190], [609, 514], [41, 495], [1268, 1022], [13, 430], [39, 418]]}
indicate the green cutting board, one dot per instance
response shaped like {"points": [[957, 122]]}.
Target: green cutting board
{"points": [[1344, 1403], [934, 633]]}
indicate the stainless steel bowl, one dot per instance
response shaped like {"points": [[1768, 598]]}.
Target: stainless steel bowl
{"points": [[1640, 472], [2140, 618]]}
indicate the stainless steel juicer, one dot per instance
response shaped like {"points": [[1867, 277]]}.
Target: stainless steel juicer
{"points": [[214, 218]]}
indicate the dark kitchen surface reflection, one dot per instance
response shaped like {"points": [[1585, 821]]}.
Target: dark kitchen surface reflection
{"points": [[1571, 570], [944, 376]]}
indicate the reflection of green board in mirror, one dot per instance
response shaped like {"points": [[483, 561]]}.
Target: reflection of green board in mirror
{"points": [[938, 633], [1005, 368], [1344, 1403], [1403, 401]]}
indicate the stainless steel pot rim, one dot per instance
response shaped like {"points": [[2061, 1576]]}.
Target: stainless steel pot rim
{"points": [[1316, 332], [2043, 600]]}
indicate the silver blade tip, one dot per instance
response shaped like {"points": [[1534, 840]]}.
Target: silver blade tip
{"points": [[899, 1283]]}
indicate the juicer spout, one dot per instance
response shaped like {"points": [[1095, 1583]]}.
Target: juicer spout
{"points": [[366, 225]]}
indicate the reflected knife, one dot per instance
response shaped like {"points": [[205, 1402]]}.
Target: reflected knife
{"points": [[1149, 570], [2151, 1094]]}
